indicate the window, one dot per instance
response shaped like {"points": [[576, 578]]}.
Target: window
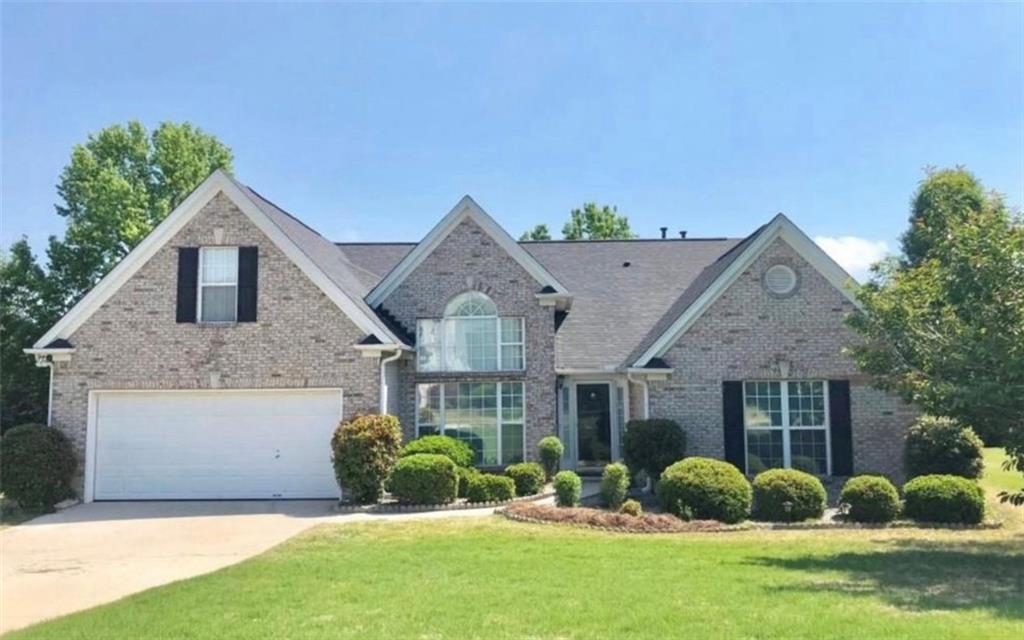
{"points": [[786, 425], [486, 415], [470, 337], [218, 284]]}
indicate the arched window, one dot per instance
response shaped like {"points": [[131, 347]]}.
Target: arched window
{"points": [[470, 337]]}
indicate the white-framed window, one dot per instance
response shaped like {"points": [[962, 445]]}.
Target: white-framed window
{"points": [[786, 425], [218, 284], [489, 416], [471, 337]]}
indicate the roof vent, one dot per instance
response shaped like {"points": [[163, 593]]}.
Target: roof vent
{"points": [[682, 234], [780, 280], [664, 231], [626, 263]]}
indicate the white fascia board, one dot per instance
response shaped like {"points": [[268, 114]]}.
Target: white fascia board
{"points": [[466, 208], [217, 182], [780, 227]]}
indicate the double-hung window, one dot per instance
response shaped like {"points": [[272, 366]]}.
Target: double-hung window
{"points": [[486, 415], [787, 425], [218, 284], [470, 337]]}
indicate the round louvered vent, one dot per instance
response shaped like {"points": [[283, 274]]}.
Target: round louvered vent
{"points": [[780, 280]]}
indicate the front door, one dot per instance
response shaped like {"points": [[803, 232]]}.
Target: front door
{"points": [[594, 424]]}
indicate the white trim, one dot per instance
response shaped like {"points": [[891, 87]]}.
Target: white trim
{"points": [[786, 427], [614, 446], [199, 286], [49, 352], [779, 227], [93, 410], [466, 208], [218, 182]]}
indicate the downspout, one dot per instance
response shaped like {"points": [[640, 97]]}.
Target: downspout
{"points": [[647, 395], [383, 379], [47, 361]]}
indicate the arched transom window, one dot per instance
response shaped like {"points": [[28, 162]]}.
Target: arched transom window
{"points": [[470, 337]]}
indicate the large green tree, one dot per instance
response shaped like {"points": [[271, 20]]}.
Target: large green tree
{"points": [[539, 232], [944, 325], [597, 223]]}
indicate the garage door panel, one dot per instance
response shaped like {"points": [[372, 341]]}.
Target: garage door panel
{"points": [[215, 444]]}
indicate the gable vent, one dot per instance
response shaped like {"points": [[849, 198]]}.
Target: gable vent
{"points": [[780, 280]]}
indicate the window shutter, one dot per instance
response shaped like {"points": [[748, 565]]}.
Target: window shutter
{"points": [[732, 412], [248, 266], [188, 278], [840, 427]]}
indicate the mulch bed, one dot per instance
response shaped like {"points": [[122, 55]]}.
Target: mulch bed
{"points": [[608, 520]]}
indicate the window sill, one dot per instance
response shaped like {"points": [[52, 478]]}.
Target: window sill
{"points": [[470, 375], [217, 325]]}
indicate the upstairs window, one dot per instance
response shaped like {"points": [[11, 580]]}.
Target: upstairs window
{"points": [[470, 337], [218, 284]]}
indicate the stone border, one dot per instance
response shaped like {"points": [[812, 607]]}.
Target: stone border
{"points": [[394, 507]]}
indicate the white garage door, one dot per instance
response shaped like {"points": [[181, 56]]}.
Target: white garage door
{"points": [[215, 444]]}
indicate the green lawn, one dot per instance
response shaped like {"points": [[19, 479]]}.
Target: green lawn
{"points": [[995, 476]]}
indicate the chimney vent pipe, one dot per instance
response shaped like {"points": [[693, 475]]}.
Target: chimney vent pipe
{"points": [[664, 231]]}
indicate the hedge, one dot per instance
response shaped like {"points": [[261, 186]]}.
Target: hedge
{"points": [[425, 478], [568, 488], [488, 487], [614, 485], [942, 446], [527, 476], [456, 450], [365, 450], [651, 445], [787, 495], [871, 499], [944, 498], [37, 464], [551, 450], [705, 488]]}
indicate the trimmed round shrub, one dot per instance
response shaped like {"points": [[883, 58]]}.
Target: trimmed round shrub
{"points": [[871, 499], [487, 487], [37, 464], [425, 478], [942, 446], [365, 450], [944, 498], [527, 476], [457, 451], [466, 474], [705, 489], [787, 495], [551, 450], [568, 488], [614, 485], [632, 508], [651, 445]]}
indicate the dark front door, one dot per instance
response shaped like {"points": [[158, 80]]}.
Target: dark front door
{"points": [[594, 424]]}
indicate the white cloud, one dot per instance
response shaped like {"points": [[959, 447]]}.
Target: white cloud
{"points": [[854, 254]]}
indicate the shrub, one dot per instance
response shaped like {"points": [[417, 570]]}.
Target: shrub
{"points": [[614, 485], [871, 499], [365, 450], [651, 445], [944, 498], [425, 478], [568, 488], [527, 476], [36, 466], [456, 450], [466, 474], [787, 495], [632, 508], [704, 488], [551, 451], [942, 446], [487, 487]]}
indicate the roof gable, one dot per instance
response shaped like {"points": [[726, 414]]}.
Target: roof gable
{"points": [[718, 277], [295, 240], [466, 208]]}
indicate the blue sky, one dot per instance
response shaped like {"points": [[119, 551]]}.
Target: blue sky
{"points": [[371, 121]]}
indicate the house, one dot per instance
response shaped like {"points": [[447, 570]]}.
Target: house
{"points": [[217, 358]]}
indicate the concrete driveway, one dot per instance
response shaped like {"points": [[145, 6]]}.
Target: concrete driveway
{"points": [[99, 552]]}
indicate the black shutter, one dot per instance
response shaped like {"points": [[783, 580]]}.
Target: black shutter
{"points": [[840, 427], [732, 412], [188, 277], [248, 266]]}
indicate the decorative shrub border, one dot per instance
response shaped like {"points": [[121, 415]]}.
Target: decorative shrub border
{"points": [[395, 507]]}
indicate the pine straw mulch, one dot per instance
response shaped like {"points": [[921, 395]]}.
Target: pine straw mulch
{"points": [[609, 520]]}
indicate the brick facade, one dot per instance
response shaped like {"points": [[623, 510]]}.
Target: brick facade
{"points": [[301, 339], [747, 332]]}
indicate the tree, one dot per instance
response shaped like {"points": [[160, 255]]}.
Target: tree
{"points": [[944, 326], [539, 232], [23, 385], [593, 223]]}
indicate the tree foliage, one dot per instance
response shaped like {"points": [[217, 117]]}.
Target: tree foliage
{"points": [[23, 314], [539, 232], [944, 326], [597, 223]]}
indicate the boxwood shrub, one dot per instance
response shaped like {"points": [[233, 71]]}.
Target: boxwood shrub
{"points": [[36, 466], [942, 446], [614, 485], [457, 451], [871, 499], [568, 488], [365, 450], [787, 495], [652, 445], [487, 487], [466, 474], [705, 489], [527, 476], [424, 478], [944, 498], [631, 508], [551, 450]]}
